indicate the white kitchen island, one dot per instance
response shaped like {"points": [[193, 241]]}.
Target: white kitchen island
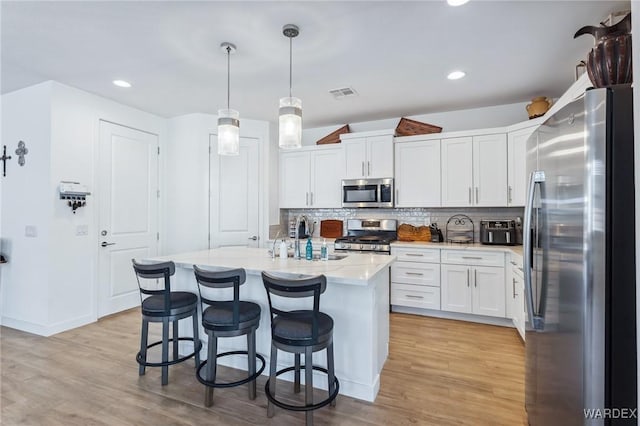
{"points": [[357, 298]]}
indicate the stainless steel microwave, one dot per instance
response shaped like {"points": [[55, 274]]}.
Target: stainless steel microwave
{"points": [[367, 192]]}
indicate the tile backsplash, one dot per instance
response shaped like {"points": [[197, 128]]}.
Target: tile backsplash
{"points": [[412, 216]]}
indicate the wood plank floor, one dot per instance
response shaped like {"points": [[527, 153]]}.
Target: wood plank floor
{"points": [[439, 372]]}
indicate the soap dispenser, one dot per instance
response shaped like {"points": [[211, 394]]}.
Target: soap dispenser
{"points": [[309, 250], [324, 255], [283, 250]]}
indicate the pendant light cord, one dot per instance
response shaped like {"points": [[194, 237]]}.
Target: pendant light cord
{"points": [[290, 63], [228, 74]]}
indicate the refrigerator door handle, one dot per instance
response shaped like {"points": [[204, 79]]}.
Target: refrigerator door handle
{"points": [[535, 178]]}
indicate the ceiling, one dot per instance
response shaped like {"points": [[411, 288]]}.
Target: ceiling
{"points": [[395, 54]]}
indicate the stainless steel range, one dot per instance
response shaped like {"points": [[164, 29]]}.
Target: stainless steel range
{"points": [[368, 235]]}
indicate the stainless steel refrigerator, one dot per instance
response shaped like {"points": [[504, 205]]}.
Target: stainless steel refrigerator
{"points": [[579, 264]]}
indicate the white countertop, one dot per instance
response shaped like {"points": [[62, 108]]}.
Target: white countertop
{"points": [[455, 246], [355, 269]]}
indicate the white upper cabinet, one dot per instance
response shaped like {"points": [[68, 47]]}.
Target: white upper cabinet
{"points": [[417, 179], [326, 178], [474, 171], [368, 155], [294, 179], [311, 178], [490, 170], [457, 172], [516, 166]]}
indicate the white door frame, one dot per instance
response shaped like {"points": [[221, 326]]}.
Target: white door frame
{"points": [[97, 238], [258, 130]]}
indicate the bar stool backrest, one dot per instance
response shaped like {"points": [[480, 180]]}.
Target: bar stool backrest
{"points": [[155, 271], [221, 279], [296, 288]]}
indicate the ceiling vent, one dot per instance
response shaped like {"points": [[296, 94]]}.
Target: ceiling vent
{"points": [[343, 92]]}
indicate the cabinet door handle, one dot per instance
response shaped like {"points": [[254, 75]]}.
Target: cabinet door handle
{"points": [[363, 168], [311, 203], [414, 273], [513, 263], [306, 198], [470, 201], [468, 271], [475, 278], [411, 296], [513, 284], [396, 196], [414, 254], [510, 191], [368, 168], [472, 257], [477, 195]]}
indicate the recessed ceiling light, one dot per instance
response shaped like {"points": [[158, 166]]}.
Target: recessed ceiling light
{"points": [[456, 2], [121, 83], [456, 75]]}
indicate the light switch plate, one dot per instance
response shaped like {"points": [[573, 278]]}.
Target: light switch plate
{"points": [[30, 231]]}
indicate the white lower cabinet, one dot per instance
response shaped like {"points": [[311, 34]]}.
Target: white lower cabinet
{"points": [[515, 294], [473, 282], [415, 278]]}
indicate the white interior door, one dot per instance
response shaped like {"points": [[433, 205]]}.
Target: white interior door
{"points": [[235, 193], [128, 197]]}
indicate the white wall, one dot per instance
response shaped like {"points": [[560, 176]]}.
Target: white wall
{"points": [[26, 200], [450, 121], [187, 172], [60, 125]]}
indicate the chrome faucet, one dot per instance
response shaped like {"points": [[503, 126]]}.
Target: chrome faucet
{"points": [[273, 249], [296, 244]]}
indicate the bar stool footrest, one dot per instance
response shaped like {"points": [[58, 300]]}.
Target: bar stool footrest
{"points": [[311, 407], [171, 362], [248, 379]]}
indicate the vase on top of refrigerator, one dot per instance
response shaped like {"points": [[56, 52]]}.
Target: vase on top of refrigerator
{"points": [[579, 264]]}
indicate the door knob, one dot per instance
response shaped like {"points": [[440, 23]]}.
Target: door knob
{"points": [[104, 244], [254, 238]]}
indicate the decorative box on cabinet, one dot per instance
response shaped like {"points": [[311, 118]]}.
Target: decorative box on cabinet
{"points": [[415, 278]]}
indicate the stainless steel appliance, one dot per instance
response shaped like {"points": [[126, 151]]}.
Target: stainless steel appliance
{"points": [[498, 232], [368, 235], [579, 263], [367, 192]]}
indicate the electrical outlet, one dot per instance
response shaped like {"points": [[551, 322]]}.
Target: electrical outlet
{"points": [[82, 230], [31, 231]]}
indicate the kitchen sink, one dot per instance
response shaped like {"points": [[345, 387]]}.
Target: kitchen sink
{"points": [[315, 256]]}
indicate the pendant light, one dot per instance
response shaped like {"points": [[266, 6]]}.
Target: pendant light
{"points": [[228, 119], [290, 116]]}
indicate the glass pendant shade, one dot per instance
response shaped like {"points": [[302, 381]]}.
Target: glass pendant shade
{"points": [[290, 123], [228, 132]]}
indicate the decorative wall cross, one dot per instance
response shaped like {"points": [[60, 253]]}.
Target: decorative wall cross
{"points": [[4, 159], [21, 152]]}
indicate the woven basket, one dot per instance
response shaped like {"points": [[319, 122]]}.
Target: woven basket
{"points": [[408, 232]]}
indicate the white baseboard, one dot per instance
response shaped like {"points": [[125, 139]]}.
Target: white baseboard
{"points": [[503, 322], [48, 329]]}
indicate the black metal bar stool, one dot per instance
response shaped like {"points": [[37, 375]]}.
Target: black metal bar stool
{"points": [[229, 318], [297, 332], [164, 305]]}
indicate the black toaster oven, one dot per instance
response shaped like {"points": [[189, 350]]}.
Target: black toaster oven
{"points": [[498, 232]]}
